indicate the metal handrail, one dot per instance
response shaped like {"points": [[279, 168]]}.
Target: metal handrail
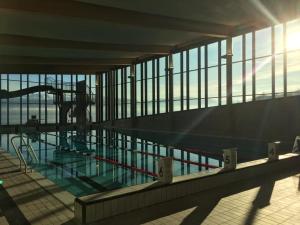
{"points": [[30, 150], [19, 154]]}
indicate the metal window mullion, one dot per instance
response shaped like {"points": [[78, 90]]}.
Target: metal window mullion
{"points": [[27, 84], [105, 96], [7, 103], [107, 89], [170, 83], [199, 77], [244, 66], [146, 88], [113, 93], [62, 86], [40, 113], [206, 76], [229, 70], [97, 98], [181, 82], [1, 105], [133, 104], [153, 87], [56, 105], [110, 88], [273, 60], [101, 106], [142, 89], [124, 105], [72, 119], [157, 87], [253, 67], [21, 100], [187, 79], [122, 93], [125, 92], [219, 74], [102, 100], [116, 93], [167, 84], [284, 61], [90, 93]]}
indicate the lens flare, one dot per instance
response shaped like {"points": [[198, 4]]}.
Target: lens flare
{"points": [[293, 41]]}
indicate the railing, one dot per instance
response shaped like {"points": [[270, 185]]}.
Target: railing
{"points": [[18, 151]]}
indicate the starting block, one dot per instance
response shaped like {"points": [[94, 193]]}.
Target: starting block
{"points": [[165, 170], [273, 151], [296, 147], [230, 158]]}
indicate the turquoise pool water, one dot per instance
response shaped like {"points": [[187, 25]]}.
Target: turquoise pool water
{"points": [[108, 161]]}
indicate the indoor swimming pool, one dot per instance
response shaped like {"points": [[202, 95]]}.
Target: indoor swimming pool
{"points": [[105, 160]]}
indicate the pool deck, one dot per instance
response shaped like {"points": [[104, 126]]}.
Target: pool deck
{"points": [[31, 198], [263, 200], [275, 199]]}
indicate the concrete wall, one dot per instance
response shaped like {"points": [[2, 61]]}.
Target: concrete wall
{"points": [[266, 120]]}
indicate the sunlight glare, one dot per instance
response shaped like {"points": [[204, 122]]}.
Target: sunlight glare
{"points": [[293, 41]]}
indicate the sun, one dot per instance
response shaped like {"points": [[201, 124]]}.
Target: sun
{"points": [[293, 41]]}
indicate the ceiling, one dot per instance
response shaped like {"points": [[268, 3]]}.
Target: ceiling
{"points": [[89, 36]]}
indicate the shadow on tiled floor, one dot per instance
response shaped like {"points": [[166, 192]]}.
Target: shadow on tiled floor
{"points": [[10, 210], [195, 209], [262, 200]]}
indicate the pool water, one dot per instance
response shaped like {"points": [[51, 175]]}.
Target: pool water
{"points": [[108, 161]]}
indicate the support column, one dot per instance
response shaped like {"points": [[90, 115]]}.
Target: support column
{"points": [[229, 70], [170, 75]]}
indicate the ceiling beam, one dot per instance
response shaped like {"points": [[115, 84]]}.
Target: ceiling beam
{"points": [[29, 41], [51, 69], [8, 59], [68, 8]]}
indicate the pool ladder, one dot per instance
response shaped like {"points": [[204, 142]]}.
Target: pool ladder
{"points": [[18, 151]]}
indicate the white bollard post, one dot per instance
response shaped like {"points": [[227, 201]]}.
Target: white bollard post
{"points": [[296, 147], [273, 151], [230, 158], [165, 170]]}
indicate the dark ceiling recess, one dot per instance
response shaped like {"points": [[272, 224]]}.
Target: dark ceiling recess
{"points": [[89, 36]]}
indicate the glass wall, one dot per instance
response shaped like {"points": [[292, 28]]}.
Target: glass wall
{"points": [[41, 104], [265, 65]]}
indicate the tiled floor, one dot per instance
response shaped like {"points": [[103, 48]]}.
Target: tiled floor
{"points": [[263, 201], [272, 200], [24, 201], [271, 203]]}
